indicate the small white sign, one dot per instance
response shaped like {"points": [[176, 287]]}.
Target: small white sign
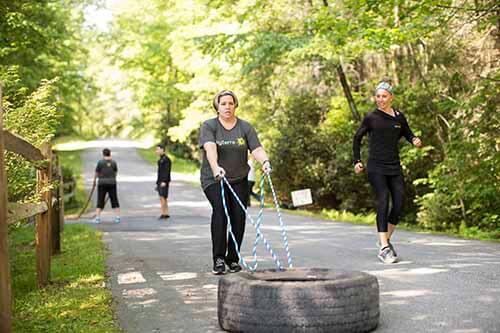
{"points": [[302, 197]]}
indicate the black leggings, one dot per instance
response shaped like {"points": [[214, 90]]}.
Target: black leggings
{"points": [[251, 193], [219, 220], [383, 185]]}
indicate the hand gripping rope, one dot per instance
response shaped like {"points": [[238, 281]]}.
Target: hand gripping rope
{"points": [[257, 224]]}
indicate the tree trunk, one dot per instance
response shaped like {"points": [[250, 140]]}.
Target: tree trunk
{"points": [[347, 93], [359, 65]]}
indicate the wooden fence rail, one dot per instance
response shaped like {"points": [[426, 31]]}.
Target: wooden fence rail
{"points": [[69, 190], [49, 213]]}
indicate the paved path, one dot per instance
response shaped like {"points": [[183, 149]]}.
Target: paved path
{"points": [[160, 271]]}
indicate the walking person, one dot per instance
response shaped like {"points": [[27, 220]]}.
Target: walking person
{"points": [[163, 180], [384, 126], [105, 173], [226, 141]]}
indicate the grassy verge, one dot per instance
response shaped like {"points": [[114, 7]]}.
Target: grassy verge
{"points": [[70, 138], [369, 219], [179, 164], [71, 159], [76, 300]]}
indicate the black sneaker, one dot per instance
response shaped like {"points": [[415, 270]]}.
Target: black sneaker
{"points": [[219, 267], [386, 256], [234, 267]]}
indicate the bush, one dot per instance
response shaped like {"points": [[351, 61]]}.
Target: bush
{"points": [[320, 157], [466, 184], [36, 121]]}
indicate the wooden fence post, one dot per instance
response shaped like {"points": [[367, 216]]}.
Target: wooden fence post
{"points": [[43, 221], [54, 199], [5, 291], [60, 196]]}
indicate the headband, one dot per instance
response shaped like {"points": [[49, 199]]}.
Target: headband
{"points": [[386, 86]]}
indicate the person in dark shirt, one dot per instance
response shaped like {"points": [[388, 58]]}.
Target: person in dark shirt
{"points": [[384, 126], [225, 141], [105, 173], [163, 180]]}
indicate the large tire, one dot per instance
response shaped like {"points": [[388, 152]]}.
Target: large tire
{"points": [[298, 300]]}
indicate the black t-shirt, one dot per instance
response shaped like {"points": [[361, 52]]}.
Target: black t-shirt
{"points": [[106, 171], [164, 167], [384, 132], [232, 149]]}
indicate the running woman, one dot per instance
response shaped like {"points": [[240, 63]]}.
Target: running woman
{"points": [[225, 141], [385, 126]]}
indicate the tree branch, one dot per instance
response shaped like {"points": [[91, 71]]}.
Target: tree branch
{"points": [[477, 10]]}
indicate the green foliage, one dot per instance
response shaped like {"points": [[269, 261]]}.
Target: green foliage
{"points": [[179, 164], [41, 59], [42, 40], [71, 164], [320, 157], [282, 61], [39, 109], [466, 183], [141, 41], [348, 216]]}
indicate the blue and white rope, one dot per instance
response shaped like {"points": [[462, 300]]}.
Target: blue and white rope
{"points": [[259, 235], [257, 224], [282, 224]]}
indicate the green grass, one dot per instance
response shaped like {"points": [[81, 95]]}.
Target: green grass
{"points": [[179, 164], [76, 300], [70, 138], [369, 219], [71, 159], [335, 215]]}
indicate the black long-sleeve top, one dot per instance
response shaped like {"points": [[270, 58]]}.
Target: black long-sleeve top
{"points": [[164, 167], [384, 132]]}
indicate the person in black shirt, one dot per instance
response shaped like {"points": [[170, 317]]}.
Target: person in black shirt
{"points": [[225, 141], [163, 180], [384, 126], [105, 172]]}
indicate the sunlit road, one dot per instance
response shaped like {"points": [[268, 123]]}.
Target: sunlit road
{"points": [[159, 272]]}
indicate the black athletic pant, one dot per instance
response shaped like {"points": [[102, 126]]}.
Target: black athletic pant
{"points": [[383, 185], [220, 238], [102, 189], [251, 184]]}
